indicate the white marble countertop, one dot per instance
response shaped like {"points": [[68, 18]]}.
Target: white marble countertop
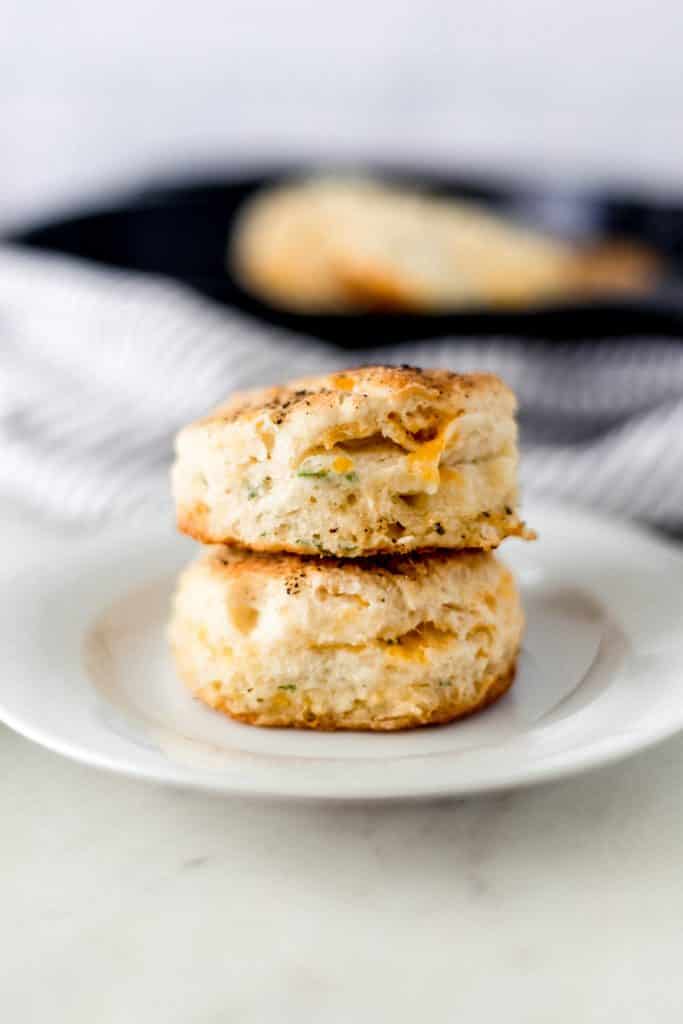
{"points": [[126, 902]]}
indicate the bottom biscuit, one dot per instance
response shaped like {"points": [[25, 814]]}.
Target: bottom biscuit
{"points": [[381, 644]]}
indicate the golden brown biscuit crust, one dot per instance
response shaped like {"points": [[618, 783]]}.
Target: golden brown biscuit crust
{"points": [[489, 691], [442, 387], [484, 533], [235, 562]]}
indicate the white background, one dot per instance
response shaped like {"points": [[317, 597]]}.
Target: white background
{"points": [[94, 95]]}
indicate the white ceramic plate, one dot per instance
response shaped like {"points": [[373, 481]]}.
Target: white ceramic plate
{"points": [[87, 673]]}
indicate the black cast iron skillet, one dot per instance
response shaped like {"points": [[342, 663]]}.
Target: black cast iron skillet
{"points": [[181, 230]]}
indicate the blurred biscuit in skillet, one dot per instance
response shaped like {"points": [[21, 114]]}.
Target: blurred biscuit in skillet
{"points": [[340, 245]]}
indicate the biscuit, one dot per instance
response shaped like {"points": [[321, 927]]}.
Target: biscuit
{"points": [[380, 644], [344, 245], [373, 460]]}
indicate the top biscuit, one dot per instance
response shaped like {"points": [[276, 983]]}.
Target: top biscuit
{"points": [[368, 461]]}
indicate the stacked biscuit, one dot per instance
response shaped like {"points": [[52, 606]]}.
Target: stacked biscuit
{"points": [[350, 581]]}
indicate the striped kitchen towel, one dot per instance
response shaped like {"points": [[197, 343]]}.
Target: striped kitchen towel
{"points": [[99, 368]]}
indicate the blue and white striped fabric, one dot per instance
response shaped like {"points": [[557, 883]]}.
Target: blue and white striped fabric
{"points": [[98, 369]]}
